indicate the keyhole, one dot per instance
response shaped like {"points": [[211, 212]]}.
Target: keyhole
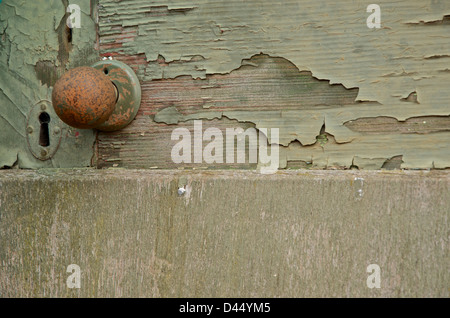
{"points": [[44, 136]]}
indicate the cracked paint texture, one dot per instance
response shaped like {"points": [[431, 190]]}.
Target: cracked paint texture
{"points": [[34, 52], [400, 71]]}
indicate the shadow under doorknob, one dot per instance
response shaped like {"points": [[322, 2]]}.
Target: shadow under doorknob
{"points": [[105, 96]]}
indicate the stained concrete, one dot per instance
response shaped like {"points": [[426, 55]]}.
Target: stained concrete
{"points": [[302, 233]]}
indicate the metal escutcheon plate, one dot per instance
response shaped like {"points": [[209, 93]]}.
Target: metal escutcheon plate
{"points": [[43, 130], [129, 93]]}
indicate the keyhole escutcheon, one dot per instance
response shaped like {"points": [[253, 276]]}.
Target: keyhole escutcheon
{"points": [[44, 136]]}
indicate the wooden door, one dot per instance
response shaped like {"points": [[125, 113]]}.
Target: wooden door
{"points": [[340, 93]]}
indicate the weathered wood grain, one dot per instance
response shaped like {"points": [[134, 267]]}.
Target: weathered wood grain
{"points": [[302, 68], [261, 84], [233, 234]]}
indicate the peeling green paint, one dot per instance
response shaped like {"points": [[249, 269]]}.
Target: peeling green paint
{"points": [[317, 115], [332, 41], [33, 53], [398, 71]]}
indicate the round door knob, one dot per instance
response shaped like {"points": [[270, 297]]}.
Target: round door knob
{"points": [[84, 97], [105, 96]]}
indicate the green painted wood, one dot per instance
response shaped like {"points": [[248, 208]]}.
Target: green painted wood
{"points": [[300, 67], [36, 48]]}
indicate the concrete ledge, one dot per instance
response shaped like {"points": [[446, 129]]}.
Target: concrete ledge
{"points": [[232, 234]]}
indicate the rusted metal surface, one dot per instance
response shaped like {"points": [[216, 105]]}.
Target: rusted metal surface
{"points": [[42, 121], [84, 97], [128, 90]]}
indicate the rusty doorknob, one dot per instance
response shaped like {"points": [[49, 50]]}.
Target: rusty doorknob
{"points": [[105, 96]]}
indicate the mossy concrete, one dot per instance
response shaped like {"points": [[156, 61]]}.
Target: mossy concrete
{"points": [[232, 234]]}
